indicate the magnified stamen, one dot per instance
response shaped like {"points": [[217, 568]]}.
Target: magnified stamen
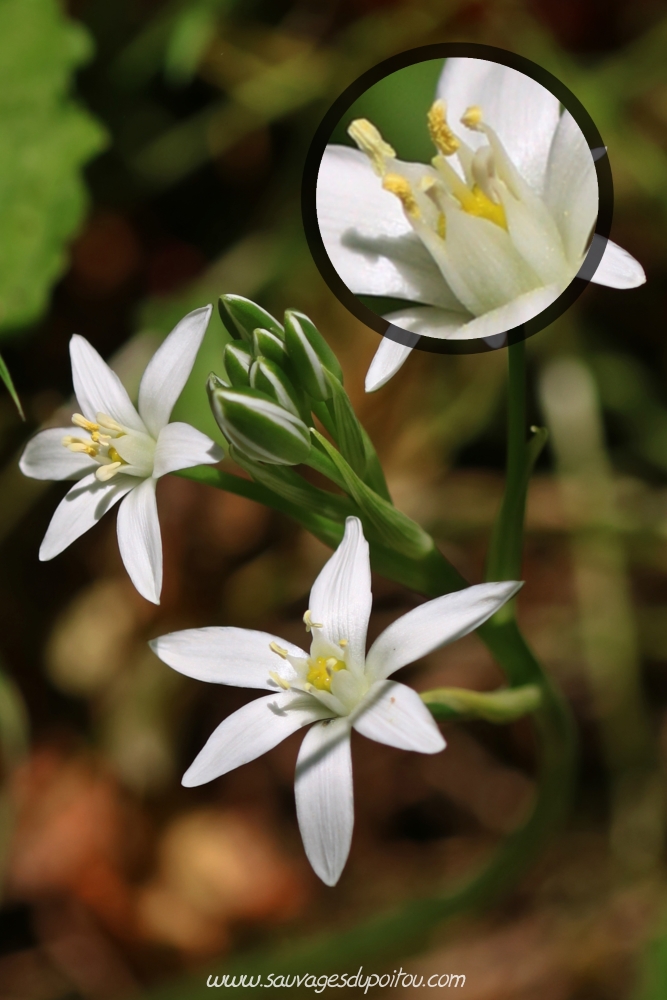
{"points": [[370, 142], [441, 134], [472, 117], [401, 188], [309, 623]]}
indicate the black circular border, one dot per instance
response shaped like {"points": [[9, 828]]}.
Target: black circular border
{"points": [[491, 54]]}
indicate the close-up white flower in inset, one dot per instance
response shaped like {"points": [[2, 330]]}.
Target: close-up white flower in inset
{"points": [[116, 451], [488, 234], [336, 685]]}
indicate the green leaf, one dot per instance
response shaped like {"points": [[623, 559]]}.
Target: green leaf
{"points": [[193, 31], [47, 138], [7, 379], [394, 529], [348, 430]]}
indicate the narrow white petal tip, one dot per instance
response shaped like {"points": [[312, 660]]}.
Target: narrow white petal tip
{"points": [[373, 383], [619, 269], [389, 357]]}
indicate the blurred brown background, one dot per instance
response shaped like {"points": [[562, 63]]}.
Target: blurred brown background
{"points": [[172, 176]]}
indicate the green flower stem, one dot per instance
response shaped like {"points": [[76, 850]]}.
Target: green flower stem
{"points": [[506, 546], [327, 531]]}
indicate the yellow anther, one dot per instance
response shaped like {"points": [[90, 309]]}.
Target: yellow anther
{"points": [[370, 142], [309, 623], [472, 117], [321, 670], [275, 648], [399, 186], [106, 472], [109, 424], [114, 456], [280, 681], [442, 136], [76, 445], [80, 421], [343, 643]]}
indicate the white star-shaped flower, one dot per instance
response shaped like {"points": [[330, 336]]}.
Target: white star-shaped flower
{"points": [[487, 235], [116, 451], [337, 686]]}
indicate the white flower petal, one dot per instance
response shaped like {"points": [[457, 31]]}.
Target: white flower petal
{"points": [[98, 389], [366, 235], [480, 262], [389, 357], [169, 369], [250, 732], [341, 599], [324, 798], [523, 112], [395, 714], [508, 317], [435, 623], [139, 540], [571, 187], [427, 321], [46, 457], [536, 236], [181, 446], [225, 655], [618, 269], [80, 509], [138, 450]]}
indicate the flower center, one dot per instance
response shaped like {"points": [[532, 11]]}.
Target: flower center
{"points": [[321, 670], [114, 448], [313, 673], [475, 195]]}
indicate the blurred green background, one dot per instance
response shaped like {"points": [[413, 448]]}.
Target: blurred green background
{"points": [[151, 160]]}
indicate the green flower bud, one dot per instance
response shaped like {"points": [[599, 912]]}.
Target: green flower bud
{"points": [[267, 345], [241, 317], [215, 382], [269, 378], [238, 359], [261, 429], [310, 355]]}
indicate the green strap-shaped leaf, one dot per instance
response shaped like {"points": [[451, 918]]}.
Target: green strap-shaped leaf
{"points": [[46, 139], [7, 379], [390, 526]]}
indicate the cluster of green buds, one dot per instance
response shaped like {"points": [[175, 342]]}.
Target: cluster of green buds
{"points": [[276, 376]]}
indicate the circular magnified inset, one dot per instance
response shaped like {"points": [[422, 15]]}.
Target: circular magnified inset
{"points": [[457, 198]]}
